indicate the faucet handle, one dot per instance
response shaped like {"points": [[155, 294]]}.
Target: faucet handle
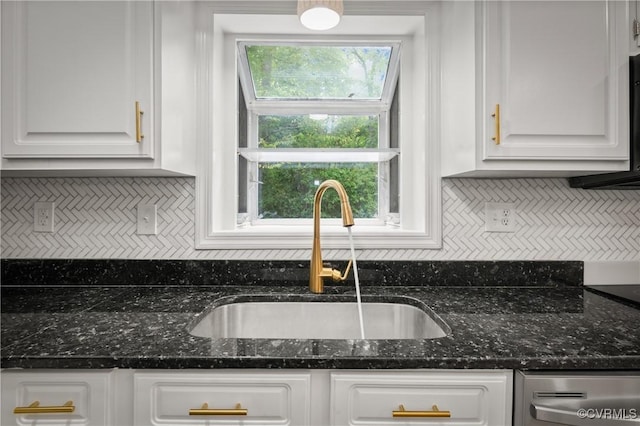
{"points": [[337, 276]]}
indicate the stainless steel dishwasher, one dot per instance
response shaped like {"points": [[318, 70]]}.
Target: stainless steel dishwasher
{"points": [[577, 398]]}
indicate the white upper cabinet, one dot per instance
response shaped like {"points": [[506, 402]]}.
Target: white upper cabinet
{"points": [[72, 75], [558, 70], [98, 88], [551, 88]]}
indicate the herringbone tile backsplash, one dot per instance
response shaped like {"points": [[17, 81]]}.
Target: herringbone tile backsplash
{"points": [[96, 218]]}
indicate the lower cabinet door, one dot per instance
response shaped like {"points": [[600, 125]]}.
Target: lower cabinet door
{"points": [[225, 398], [55, 397], [421, 398]]}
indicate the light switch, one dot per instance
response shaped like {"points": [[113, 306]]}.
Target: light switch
{"points": [[147, 219]]}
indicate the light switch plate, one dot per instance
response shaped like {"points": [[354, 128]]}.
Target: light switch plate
{"points": [[147, 219]]}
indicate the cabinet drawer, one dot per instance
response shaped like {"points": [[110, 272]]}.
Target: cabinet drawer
{"points": [[269, 399], [469, 398], [88, 391]]}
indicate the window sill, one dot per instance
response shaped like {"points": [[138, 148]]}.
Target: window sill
{"points": [[332, 237]]}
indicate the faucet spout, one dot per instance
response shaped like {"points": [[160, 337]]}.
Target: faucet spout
{"points": [[317, 270]]}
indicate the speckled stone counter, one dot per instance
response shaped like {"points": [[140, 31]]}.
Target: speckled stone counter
{"points": [[553, 324]]}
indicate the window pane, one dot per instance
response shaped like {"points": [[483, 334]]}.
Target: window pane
{"points": [[318, 72], [318, 131], [287, 189]]}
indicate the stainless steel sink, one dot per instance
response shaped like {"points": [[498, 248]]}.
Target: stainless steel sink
{"points": [[319, 320]]}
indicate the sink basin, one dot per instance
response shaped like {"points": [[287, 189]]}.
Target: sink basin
{"points": [[299, 319]]}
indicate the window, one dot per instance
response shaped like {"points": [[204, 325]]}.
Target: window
{"points": [[279, 114], [315, 111]]}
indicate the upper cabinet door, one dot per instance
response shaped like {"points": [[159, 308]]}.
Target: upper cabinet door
{"points": [[72, 73], [559, 72]]}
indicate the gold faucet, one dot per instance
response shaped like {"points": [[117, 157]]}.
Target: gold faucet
{"points": [[318, 271]]}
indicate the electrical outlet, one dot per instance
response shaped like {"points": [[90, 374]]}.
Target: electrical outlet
{"points": [[43, 216], [500, 217], [147, 219]]}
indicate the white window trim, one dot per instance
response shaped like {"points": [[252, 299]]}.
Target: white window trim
{"points": [[216, 182]]}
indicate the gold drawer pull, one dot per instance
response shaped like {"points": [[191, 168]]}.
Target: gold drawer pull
{"points": [[496, 116], [206, 411], [139, 112], [435, 412], [36, 408]]}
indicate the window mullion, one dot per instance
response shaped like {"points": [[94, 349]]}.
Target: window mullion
{"points": [[383, 130], [383, 167], [253, 190]]}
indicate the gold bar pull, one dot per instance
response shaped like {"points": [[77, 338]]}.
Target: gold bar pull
{"points": [[496, 116], [139, 112], [36, 408], [435, 412], [206, 411]]}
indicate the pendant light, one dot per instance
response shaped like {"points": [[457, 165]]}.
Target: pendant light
{"points": [[320, 15]]}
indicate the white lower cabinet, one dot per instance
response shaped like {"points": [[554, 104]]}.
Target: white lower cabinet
{"points": [[57, 397], [421, 398], [257, 397], [222, 398]]}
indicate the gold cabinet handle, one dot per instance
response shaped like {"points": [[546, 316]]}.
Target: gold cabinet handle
{"points": [[206, 411], [496, 116], [139, 112], [36, 408], [435, 412]]}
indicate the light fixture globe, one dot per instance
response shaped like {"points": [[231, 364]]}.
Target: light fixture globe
{"points": [[320, 15]]}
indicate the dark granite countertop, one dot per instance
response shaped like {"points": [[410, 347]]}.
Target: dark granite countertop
{"points": [[549, 326], [84, 313]]}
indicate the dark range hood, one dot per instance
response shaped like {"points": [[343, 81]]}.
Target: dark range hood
{"points": [[631, 178], [617, 180]]}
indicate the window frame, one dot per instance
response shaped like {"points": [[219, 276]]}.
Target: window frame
{"points": [[216, 192]]}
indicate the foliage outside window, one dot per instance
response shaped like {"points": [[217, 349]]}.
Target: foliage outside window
{"points": [[281, 180], [318, 71], [315, 112]]}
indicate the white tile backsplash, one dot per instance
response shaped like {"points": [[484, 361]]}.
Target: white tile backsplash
{"points": [[96, 218]]}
